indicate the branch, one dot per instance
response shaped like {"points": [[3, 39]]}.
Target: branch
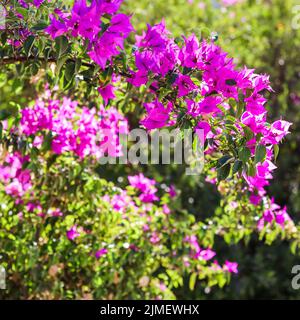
{"points": [[13, 60]]}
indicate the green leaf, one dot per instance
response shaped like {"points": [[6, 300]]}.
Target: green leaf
{"points": [[251, 170], [224, 160], [41, 44], [294, 247], [61, 45], [232, 102], [230, 82], [192, 281], [22, 11], [77, 65], [248, 133], [221, 281], [258, 137], [41, 25], [240, 105], [47, 142], [276, 151], [3, 38], [230, 119], [60, 62], [237, 166], [172, 78], [260, 153], [223, 172], [179, 41], [244, 154], [28, 44], [70, 70], [5, 114], [11, 111], [34, 69]]}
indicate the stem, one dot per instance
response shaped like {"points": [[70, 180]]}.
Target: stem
{"points": [[12, 60]]}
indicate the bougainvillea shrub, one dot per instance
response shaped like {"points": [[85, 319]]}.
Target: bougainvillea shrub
{"points": [[75, 77]]}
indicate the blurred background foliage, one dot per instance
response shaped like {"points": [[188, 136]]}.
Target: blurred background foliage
{"points": [[265, 35]]}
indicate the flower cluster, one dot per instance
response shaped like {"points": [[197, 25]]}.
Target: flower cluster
{"points": [[36, 3], [146, 186], [274, 213], [101, 26], [17, 181], [203, 82], [125, 204], [106, 39], [199, 77], [120, 202], [157, 53], [207, 254], [83, 131], [23, 33]]}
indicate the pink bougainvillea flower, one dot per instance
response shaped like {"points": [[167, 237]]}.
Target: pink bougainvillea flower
{"points": [[146, 186], [55, 212], [198, 252], [172, 191], [231, 267], [189, 55], [255, 199], [146, 227], [255, 123], [202, 130], [121, 202], [107, 46], [156, 52], [100, 253], [185, 85], [38, 3], [205, 254], [108, 6], [268, 216], [228, 3], [157, 115], [154, 239], [149, 196], [107, 92], [138, 78], [166, 209], [141, 182], [278, 130], [56, 27], [120, 23], [192, 240], [73, 233]]}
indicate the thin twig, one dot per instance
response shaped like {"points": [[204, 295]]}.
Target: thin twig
{"points": [[12, 60]]}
